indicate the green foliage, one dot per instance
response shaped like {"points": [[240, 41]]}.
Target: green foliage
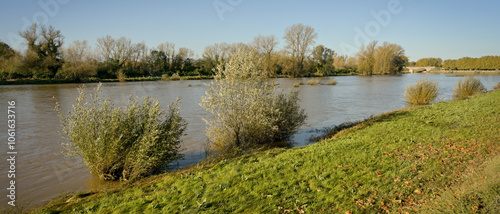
{"points": [[422, 92], [468, 87], [437, 62], [387, 58], [122, 142], [323, 58], [46, 43], [468, 63], [246, 111], [397, 162]]}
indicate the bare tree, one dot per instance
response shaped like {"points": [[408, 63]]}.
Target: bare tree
{"points": [[78, 61], [168, 49], [77, 51], [213, 54], [389, 59], [299, 39], [265, 45], [117, 51]]}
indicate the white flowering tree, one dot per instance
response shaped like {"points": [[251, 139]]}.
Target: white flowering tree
{"points": [[245, 108]]}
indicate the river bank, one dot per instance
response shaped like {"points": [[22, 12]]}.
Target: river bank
{"points": [[403, 160]]}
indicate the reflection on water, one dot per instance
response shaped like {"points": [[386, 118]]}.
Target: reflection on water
{"points": [[43, 172]]}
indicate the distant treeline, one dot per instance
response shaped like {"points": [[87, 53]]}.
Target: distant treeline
{"points": [[468, 63], [120, 58], [465, 63]]}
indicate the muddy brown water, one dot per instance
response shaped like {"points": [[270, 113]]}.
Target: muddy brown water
{"points": [[43, 172]]}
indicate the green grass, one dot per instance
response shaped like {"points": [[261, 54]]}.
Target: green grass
{"points": [[401, 161]]}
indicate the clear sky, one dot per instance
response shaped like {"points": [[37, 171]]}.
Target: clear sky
{"points": [[424, 28]]}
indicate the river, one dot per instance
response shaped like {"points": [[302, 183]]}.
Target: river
{"points": [[43, 172]]}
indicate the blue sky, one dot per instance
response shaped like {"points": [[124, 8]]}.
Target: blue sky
{"points": [[424, 28]]}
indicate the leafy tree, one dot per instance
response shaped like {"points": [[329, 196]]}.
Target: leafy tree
{"points": [[10, 62], [323, 57], [450, 64], [46, 43], [366, 58], [266, 45]]}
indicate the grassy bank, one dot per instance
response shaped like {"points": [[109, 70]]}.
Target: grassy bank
{"points": [[406, 160]]}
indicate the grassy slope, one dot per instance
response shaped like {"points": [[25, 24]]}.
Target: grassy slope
{"points": [[400, 161]]}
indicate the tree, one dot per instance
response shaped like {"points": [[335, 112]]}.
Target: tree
{"points": [[299, 39], [246, 110], [323, 57], [437, 62], [450, 64], [183, 59], [46, 43], [213, 55], [10, 62], [366, 58], [389, 58], [266, 45], [79, 62], [116, 53]]}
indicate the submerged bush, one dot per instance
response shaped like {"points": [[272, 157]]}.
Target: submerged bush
{"points": [[313, 82], [122, 142], [332, 82], [497, 86], [246, 110], [422, 92], [468, 87]]}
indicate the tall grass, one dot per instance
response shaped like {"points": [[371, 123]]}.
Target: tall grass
{"points": [[313, 82], [422, 92], [122, 142], [332, 82], [468, 87]]}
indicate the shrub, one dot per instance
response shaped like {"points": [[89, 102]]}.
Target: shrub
{"points": [[246, 110], [124, 142], [332, 82], [164, 77], [296, 85], [313, 82], [175, 76], [469, 86], [422, 92]]}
